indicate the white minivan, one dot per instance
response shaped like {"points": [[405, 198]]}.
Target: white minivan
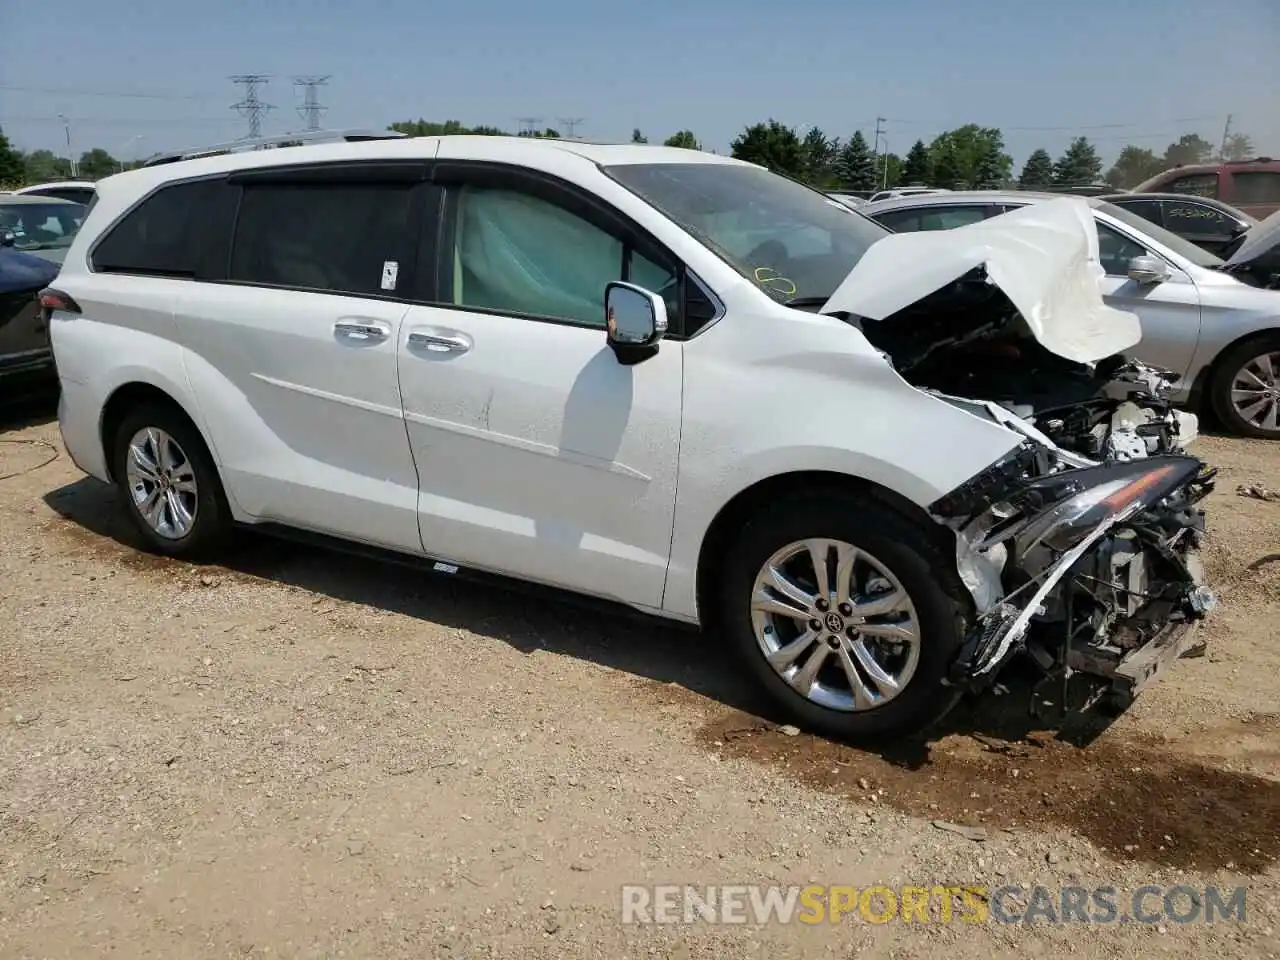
{"points": [[877, 467]]}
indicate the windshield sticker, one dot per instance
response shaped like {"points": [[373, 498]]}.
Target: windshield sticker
{"points": [[772, 281]]}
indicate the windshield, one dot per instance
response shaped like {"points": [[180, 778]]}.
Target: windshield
{"points": [[1179, 245], [39, 226], [794, 243]]}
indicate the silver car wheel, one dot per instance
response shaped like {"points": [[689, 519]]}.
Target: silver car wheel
{"points": [[836, 624], [1255, 392], [162, 482]]}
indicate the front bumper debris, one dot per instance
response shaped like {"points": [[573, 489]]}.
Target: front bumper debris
{"points": [[1117, 597]]}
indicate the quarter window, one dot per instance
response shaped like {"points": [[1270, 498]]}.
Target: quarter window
{"points": [[348, 238], [165, 235], [517, 253], [1195, 184], [1259, 186]]}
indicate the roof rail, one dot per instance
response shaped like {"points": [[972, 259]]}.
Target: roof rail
{"points": [[298, 139]]}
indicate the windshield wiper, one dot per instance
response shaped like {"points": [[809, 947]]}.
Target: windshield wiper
{"points": [[805, 301]]}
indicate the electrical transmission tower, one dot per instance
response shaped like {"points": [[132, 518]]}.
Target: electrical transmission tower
{"points": [[528, 125], [251, 107], [571, 125], [311, 109]]}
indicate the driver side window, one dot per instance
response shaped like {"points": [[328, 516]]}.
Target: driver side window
{"points": [[1115, 250], [513, 252]]}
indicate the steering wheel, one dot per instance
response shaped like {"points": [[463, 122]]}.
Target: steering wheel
{"points": [[770, 253]]}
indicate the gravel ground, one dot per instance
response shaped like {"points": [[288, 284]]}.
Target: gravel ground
{"points": [[301, 754]]}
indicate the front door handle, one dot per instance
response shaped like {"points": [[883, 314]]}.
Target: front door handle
{"points": [[439, 342], [362, 329]]}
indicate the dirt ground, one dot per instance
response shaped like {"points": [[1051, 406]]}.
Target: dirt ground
{"points": [[302, 754]]}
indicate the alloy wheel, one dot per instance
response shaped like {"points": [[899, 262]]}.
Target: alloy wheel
{"points": [[1255, 391], [162, 482], [836, 624]]}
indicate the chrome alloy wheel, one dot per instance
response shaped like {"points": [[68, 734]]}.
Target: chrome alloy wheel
{"points": [[1255, 392], [836, 624], [163, 483]]}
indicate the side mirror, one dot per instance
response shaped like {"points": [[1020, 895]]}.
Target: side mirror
{"points": [[635, 320], [1147, 270]]}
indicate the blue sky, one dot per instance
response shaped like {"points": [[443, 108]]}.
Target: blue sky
{"points": [[148, 75]]}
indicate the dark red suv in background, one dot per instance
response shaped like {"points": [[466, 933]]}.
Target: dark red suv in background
{"points": [[1249, 185]]}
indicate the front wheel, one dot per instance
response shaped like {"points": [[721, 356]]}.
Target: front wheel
{"points": [[847, 614], [1245, 390]]}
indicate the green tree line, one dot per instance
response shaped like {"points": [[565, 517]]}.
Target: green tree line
{"points": [[968, 157]]}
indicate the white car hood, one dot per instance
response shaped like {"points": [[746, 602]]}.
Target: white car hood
{"points": [[1043, 256]]}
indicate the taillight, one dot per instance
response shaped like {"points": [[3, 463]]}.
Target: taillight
{"points": [[51, 299]]}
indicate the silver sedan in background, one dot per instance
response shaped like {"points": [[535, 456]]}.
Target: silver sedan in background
{"points": [[1219, 333]]}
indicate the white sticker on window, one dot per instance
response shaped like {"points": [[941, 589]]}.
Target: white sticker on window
{"points": [[390, 270]]}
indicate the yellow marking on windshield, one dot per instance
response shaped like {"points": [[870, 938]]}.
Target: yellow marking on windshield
{"points": [[770, 279]]}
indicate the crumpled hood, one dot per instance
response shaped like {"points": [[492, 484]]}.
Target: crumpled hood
{"points": [[1044, 257], [1259, 240]]}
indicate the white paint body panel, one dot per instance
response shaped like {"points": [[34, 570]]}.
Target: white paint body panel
{"points": [[534, 452]]}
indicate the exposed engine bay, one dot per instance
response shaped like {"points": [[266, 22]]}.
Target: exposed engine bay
{"points": [[968, 340]]}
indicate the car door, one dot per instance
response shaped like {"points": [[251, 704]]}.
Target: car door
{"points": [[540, 455], [1169, 310], [293, 354]]}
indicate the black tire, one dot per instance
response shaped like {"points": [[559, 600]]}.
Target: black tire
{"points": [[1224, 373], [212, 518], [942, 606]]}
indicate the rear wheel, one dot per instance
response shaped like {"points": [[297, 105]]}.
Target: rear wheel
{"points": [[1245, 390], [846, 614], [169, 483]]}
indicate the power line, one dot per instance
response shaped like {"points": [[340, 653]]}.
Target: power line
{"points": [[311, 109], [76, 92], [528, 125], [251, 107]]}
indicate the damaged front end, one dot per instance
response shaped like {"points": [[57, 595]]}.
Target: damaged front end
{"points": [[1090, 569]]}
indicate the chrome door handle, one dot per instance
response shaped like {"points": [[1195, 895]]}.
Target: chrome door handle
{"points": [[440, 343], [362, 330]]}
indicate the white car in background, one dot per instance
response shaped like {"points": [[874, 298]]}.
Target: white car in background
{"points": [[1219, 335], [635, 373], [77, 191]]}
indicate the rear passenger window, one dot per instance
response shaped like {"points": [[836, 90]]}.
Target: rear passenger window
{"points": [[1185, 217], [166, 235], [350, 238], [900, 221], [948, 218]]}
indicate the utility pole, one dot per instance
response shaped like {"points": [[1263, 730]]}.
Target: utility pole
{"points": [[251, 107], [1226, 135], [875, 152], [528, 126], [71, 157], [311, 109], [571, 125]]}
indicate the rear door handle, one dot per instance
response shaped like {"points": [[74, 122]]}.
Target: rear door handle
{"points": [[362, 329], [439, 342]]}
